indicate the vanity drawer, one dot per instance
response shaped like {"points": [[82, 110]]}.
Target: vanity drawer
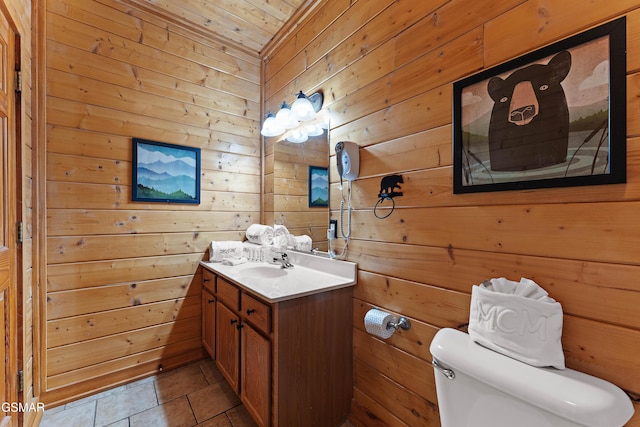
{"points": [[257, 313], [209, 280], [229, 294]]}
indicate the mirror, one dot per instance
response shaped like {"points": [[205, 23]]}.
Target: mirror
{"points": [[287, 184]]}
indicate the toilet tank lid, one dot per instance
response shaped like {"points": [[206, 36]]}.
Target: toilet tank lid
{"points": [[576, 396]]}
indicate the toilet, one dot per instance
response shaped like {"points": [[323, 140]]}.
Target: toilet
{"points": [[478, 387]]}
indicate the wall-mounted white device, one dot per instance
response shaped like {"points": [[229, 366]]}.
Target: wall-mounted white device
{"points": [[348, 164], [348, 160]]}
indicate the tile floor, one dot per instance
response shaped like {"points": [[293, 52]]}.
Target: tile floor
{"points": [[193, 395]]}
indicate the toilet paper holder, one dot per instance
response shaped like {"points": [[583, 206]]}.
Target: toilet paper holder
{"points": [[402, 323]]}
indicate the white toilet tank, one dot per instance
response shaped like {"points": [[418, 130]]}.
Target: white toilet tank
{"points": [[481, 388]]}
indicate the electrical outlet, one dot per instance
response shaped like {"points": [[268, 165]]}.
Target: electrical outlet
{"points": [[333, 226]]}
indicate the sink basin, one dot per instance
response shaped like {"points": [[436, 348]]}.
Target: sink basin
{"points": [[311, 274], [264, 272]]}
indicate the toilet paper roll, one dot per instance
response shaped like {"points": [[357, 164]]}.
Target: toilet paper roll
{"points": [[376, 321]]}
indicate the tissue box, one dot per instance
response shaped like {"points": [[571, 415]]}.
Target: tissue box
{"points": [[518, 320]]}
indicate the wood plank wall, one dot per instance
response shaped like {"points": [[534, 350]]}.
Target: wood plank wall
{"points": [[123, 285], [387, 68], [286, 192]]}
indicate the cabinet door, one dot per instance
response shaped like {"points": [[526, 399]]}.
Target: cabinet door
{"points": [[209, 322], [228, 344], [256, 375]]}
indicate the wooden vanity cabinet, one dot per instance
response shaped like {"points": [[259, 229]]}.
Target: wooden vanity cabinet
{"points": [[209, 313], [228, 345], [291, 361], [255, 375], [209, 322]]}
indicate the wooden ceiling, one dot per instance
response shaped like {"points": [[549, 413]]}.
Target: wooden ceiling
{"points": [[247, 23]]}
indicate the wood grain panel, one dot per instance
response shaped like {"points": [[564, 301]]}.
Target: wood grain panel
{"points": [[123, 288], [90, 326], [96, 196], [87, 90], [64, 222], [529, 26], [425, 111], [99, 299], [316, 42], [430, 304], [592, 232], [411, 409], [102, 376], [317, 22], [413, 373], [105, 42], [90, 274], [94, 248], [158, 35], [75, 356]]}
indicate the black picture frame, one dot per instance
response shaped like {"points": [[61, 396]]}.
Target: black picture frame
{"points": [[318, 186], [165, 173], [548, 142]]}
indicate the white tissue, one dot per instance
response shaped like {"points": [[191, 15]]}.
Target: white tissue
{"points": [[376, 323], [260, 234], [519, 320]]}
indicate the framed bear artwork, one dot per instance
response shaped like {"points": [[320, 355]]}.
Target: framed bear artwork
{"points": [[554, 117]]}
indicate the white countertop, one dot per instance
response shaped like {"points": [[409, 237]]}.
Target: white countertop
{"points": [[310, 275]]}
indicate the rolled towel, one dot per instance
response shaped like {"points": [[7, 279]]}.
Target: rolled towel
{"points": [[303, 243], [260, 234], [280, 230], [282, 238], [225, 249], [519, 320]]}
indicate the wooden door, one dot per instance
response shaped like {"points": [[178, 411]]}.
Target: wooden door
{"points": [[228, 344], [8, 245]]}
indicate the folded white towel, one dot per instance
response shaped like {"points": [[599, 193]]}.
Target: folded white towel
{"points": [[519, 320], [303, 243], [260, 234], [234, 261], [224, 249]]}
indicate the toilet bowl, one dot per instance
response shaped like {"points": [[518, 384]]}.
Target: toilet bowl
{"points": [[481, 388]]}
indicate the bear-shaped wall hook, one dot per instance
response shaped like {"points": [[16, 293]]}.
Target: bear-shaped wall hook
{"points": [[388, 184]]}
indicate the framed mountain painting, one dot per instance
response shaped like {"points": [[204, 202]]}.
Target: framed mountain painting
{"points": [[165, 173]]}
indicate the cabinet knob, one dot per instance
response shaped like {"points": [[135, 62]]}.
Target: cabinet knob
{"points": [[205, 280], [234, 321], [239, 326], [249, 311], [211, 300]]}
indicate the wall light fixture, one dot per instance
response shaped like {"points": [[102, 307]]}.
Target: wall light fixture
{"points": [[297, 120]]}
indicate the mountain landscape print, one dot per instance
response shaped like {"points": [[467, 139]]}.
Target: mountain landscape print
{"points": [[318, 186], [165, 172]]}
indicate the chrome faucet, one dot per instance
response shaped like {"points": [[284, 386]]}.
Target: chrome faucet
{"points": [[284, 260]]}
